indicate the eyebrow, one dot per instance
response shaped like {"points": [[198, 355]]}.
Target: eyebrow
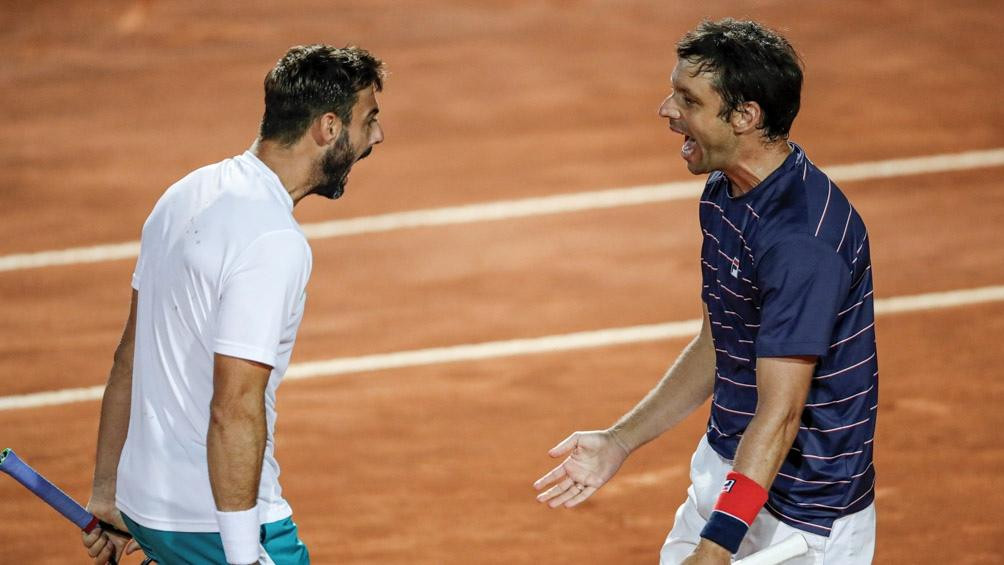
{"points": [[686, 91], [673, 84]]}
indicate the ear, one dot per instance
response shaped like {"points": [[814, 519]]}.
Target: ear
{"points": [[746, 118], [326, 128]]}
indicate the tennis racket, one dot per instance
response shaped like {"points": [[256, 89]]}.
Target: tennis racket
{"points": [[777, 553], [32, 480]]}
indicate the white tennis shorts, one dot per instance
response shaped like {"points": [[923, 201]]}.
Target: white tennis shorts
{"points": [[851, 542]]}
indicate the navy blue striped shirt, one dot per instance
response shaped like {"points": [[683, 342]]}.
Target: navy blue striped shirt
{"points": [[786, 272]]}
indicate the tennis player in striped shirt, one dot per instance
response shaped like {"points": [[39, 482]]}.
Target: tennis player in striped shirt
{"points": [[787, 349]]}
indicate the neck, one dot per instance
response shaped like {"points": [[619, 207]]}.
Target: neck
{"points": [[293, 165], [756, 164]]}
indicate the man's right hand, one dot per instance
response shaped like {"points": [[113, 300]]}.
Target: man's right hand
{"points": [[593, 458], [99, 544]]}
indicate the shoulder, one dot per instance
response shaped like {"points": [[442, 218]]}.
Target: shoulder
{"points": [[714, 197], [800, 255], [243, 213], [284, 254], [288, 243], [251, 203], [177, 192], [832, 217], [177, 200], [808, 207], [714, 185], [799, 246]]}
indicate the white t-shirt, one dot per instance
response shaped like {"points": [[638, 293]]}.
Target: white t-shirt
{"points": [[223, 268]]}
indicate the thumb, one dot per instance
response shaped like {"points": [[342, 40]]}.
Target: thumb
{"points": [[565, 446], [131, 547]]}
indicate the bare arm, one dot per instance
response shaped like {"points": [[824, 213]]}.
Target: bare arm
{"points": [[112, 429], [115, 409], [782, 388], [236, 438], [593, 457], [684, 387]]}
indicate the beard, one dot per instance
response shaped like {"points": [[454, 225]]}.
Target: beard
{"points": [[335, 166]]}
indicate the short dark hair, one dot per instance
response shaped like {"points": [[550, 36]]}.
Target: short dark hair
{"points": [[311, 80], [748, 63]]}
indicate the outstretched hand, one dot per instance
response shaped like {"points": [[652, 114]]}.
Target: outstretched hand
{"points": [[592, 459]]}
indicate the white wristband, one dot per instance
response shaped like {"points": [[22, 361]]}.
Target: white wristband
{"points": [[240, 533]]}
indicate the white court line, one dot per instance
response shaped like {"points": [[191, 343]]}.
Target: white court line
{"points": [[515, 347], [526, 207]]}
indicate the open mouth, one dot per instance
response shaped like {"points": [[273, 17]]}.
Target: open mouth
{"points": [[689, 146]]}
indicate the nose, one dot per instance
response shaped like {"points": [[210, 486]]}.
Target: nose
{"points": [[668, 109], [377, 134]]}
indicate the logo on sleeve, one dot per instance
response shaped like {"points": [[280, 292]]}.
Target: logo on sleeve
{"points": [[735, 268], [729, 483]]}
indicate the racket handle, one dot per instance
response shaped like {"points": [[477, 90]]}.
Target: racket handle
{"points": [[41, 487], [793, 546], [112, 530], [11, 464]]}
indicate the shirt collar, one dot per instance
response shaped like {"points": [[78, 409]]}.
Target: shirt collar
{"points": [[790, 162], [272, 179]]}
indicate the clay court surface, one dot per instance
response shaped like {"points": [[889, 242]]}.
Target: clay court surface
{"points": [[103, 107]]}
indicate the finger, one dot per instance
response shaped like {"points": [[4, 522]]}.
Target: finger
{"points": [[118, 543], [554, 475], [564, 446], [581, 497], [105, 555], [131, 547], [97, 546], [91, 537], [556, 490], [564, 497]]}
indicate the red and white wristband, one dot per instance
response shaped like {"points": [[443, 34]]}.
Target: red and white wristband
{"points": [[738, 504]]}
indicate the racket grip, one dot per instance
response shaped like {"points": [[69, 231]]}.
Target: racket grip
{"points": [[110, 529], [21, 472], [32, 480]]}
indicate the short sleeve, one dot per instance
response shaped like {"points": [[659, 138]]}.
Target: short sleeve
{"points": [[260, 294], [137, 273], [802, 284]]}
